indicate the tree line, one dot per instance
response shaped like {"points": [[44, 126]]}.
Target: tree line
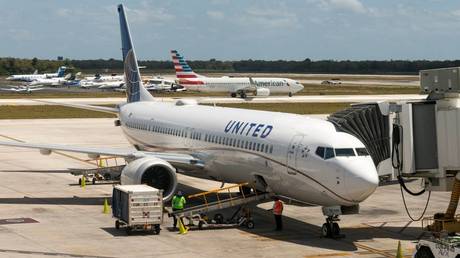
{"points": [[10, 66]]}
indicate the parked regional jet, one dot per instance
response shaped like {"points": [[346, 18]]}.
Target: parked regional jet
{"points": [[301, 158], [56, 81], [241, 86], [105, 78], [31, 77], [22, 89]]}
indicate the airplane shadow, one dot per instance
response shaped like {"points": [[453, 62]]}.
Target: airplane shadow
{"points": [[295, 231], [303, 233]]}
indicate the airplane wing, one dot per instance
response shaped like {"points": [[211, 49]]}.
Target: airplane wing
{"points": [[112, 110], [179, 160], [250, 88]]}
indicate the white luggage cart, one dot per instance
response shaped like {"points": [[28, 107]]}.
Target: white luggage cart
{"points": [[137, 208]]}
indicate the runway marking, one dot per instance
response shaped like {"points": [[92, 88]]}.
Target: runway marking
{"points": [[50, 253]]}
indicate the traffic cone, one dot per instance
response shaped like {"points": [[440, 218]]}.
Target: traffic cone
{"points": [[182, 228], [399, 252], [106, 207], [83, 182]]}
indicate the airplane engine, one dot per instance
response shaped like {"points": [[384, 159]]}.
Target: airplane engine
{"points": [[153, 172], [262, 92]]}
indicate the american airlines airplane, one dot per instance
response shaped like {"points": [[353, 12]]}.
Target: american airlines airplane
{"points": [[241, 86], [294, 156], [31, 77]]}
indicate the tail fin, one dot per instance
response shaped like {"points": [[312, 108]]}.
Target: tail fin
{"points": [[135, 91], [61, 71], [183, 70]]}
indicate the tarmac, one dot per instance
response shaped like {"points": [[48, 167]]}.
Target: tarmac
{"points": [[211, 100], [44, 212]]}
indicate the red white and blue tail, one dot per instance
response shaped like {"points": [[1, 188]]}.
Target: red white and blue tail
{"points": [[183, 70]]}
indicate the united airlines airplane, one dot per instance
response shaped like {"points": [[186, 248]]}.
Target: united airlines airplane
{"points": [[241, 86], [300, 158], [31, 77]]}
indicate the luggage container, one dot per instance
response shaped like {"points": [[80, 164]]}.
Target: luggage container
{"points": [[137, 208]]}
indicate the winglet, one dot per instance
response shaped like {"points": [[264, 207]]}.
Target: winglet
{"points": [[135, 91]]}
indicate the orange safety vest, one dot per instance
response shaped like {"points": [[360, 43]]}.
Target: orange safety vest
{"points": [[277, 207]]}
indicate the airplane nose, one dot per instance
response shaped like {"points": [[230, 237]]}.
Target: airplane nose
{"points": [[361, 180]]}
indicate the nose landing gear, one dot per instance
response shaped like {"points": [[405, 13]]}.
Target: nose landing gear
{"points": [[331, 228]]}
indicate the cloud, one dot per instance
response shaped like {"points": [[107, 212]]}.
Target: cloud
{"points": [[273, 18], [147, 13], [216, 15], [346, 5], [62, 12]]}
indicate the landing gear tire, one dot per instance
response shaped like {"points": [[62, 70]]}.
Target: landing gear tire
{"points": [[335, 229], [117, 224], [243, 95], [233, 95], [79, 181], [129, 230], [94, 181], [326, 230], [290, 94]]}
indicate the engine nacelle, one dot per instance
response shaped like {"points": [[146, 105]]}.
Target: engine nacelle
{"points": [[151, 171], [262, 92]]}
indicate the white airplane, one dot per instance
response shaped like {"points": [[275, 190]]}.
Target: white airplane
{"points": [[31, 77], [158, 83], [22, 89], [301, 158], [56, 81], [105, 78], [241, 86], [86, 84]]}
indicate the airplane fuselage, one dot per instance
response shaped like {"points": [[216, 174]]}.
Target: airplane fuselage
{"points": [[276, 150], [233, 85]]}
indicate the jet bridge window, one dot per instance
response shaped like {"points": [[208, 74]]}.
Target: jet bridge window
{"points": [[362, 152], [344, 152]]}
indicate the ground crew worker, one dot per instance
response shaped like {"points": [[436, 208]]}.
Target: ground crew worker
{"points": [[277, 211], [178, 203]]}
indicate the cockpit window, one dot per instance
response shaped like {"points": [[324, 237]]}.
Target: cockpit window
{"points": [[325, 153], [362, 152], [329, 153], [344, 152], [320, 152]]}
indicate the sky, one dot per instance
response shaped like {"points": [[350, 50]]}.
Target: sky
{"points": [[234, 29]]}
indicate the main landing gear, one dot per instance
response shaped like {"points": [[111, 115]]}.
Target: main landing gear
{"points": [[241, 93], [331, 228]]}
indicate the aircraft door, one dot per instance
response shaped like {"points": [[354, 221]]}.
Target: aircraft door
{"points": [[294, 153]]}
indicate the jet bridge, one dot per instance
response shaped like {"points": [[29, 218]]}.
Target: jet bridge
{"points": [[370, 123]]}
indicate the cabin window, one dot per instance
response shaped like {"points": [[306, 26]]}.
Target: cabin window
{"points": [[258, 146], [271, 149], [262, 147]]}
